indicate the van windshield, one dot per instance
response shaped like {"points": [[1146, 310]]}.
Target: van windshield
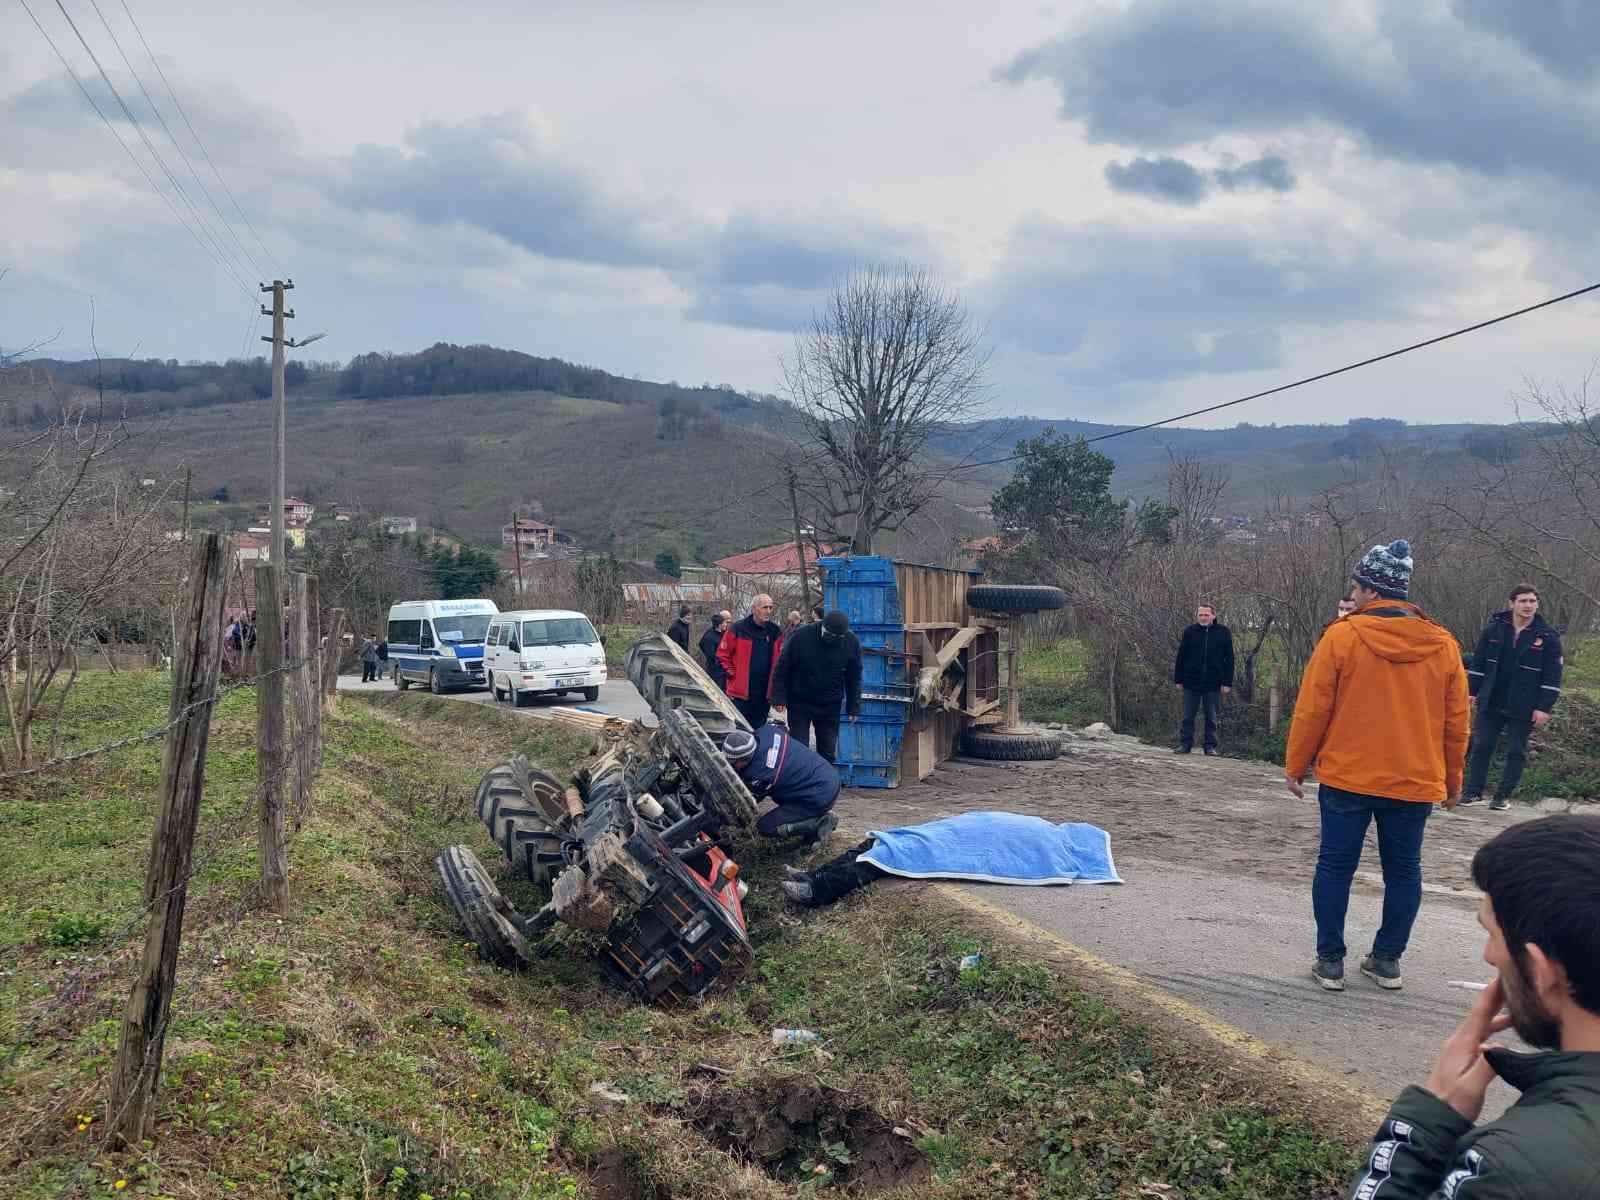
{"points": [[469, 627], [558, 631]]}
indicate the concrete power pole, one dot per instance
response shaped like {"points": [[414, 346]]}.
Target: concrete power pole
{"points": [[280, 420]]}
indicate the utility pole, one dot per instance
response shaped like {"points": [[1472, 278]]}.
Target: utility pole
{"points": [[799, 545], [280, 420], [516, 542]]}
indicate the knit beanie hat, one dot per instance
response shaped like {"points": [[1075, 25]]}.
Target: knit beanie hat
{"points": [[836, 623], [1386, 569], [740, 743]]}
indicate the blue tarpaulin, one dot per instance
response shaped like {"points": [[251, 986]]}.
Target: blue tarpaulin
{"points": [[997, 847]]}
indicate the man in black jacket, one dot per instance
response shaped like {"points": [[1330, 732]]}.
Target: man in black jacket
{"points": [[709, 641], [678, 631], [818, 673], [1541, 911], [1203, 673], [1516, 677]]}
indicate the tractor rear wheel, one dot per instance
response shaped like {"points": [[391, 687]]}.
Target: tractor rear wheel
{"points": [[519, 805], [718, 785], [669, 680]]}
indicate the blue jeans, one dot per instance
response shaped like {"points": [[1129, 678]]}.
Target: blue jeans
{"points": [[1345, 816]]}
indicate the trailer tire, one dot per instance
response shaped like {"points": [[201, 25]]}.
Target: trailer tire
{"points": [[516, 803], [669, 679], [1015, 598], [482, 910], [1010, 747], [714, 778]]}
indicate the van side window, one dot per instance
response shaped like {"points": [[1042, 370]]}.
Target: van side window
{"points": [[403, 633], [494, 636], [426, 642]]}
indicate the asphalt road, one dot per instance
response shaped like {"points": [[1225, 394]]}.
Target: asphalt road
{"points": [[618, 697]]}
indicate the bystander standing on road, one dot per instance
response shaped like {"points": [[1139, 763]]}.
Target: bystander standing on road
{"points": [[1204, 674], [369, 658], [1541, 912], [1516, 677], [748, 653], [1382, 714], [678, 631], [818, 675], [710, 641]]}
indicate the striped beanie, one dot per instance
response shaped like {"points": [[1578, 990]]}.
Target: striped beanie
{"points": [[1386, 569]]}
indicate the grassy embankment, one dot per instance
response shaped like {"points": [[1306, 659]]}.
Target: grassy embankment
{"points": [[359, 1048]]}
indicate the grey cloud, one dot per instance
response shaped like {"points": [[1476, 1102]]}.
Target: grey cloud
{"points": [[495, 174], [1270, 173], [1563, 35], [1170, 179], [1132, 304], [1420, 87]]}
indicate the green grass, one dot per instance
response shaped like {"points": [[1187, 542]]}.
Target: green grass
{"points": [[359, 1048], [1055, 686]]}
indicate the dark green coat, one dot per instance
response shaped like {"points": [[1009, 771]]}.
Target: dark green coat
{"points": [[1546, 1146]]}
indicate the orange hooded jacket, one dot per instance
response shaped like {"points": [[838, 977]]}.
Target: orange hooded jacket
{"points": [[1383, 707]]}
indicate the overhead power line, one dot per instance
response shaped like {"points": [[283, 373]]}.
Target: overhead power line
{"points": [[1284, 387], [127, 149], [239, 254], [150, 146], [206, 154]]}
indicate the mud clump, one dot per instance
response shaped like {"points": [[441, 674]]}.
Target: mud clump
{"points": [[790, 1127], [616, 1174]]}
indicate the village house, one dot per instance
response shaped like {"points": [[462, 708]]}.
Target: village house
{"points": [[773, 569], [394, 526], [295, 509], [526, 535]]}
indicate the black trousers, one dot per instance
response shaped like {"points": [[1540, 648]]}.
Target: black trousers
{"points": [[1486, 731], [754, 711], [840, 876], [369, 671], [1193, 700], [803, 720]]}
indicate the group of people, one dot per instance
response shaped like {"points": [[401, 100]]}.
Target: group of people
{"points": [[790, 683], [374, 656]]}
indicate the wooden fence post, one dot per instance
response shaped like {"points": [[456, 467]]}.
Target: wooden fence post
{"points": [[270, 752], [1274, 702], [314, 668], [302, 695], [333, 652], [197, 661]]}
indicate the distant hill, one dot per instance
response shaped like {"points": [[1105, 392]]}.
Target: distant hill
{"points": [[458, 436]]}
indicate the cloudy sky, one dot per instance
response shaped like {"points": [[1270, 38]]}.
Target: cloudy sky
{"points": [[1150, 205]]}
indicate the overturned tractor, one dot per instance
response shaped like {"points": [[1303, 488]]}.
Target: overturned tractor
{"points": [[638, 845]]}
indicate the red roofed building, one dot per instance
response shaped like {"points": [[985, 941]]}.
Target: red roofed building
{"points": [[774, 570], [770, 560]]}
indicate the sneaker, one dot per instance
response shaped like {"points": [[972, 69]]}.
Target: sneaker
{"points": [[1329, 972], [795, 873], [1466, 800], [798, 890], [1211, 753], [1385, 972], [1183, 749], [1499, 804]]}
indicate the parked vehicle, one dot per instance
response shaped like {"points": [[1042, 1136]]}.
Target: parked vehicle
{"points": [[438, 643], [543, 651]]}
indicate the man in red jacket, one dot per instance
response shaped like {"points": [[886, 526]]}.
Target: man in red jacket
{"points": [[748, 653]]}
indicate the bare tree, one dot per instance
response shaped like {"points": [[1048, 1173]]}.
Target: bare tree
{"points": [[892, 358]]}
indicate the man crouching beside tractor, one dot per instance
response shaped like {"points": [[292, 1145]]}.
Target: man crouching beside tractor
{"points": [[800, 782]]}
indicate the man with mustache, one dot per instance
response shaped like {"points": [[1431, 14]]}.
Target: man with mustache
{"points": [[1541, 911]]}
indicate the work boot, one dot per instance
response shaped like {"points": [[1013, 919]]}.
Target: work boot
{"points": [[825, 828], [1329, 972], [798, 890], [1500, 804], [1385, 972]]}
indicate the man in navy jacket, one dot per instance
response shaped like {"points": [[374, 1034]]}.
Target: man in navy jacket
{"points": [[803, 785], [1516, 677]]}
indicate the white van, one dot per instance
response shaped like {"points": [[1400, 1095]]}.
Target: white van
{"points": [[543, 650], [438, 643]]}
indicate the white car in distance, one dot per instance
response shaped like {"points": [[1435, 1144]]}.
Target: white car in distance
{"points": [[543, 652]]}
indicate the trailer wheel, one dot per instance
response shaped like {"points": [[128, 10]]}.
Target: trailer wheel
{"points": [[1010, 747], [520, 805], [1015, 598], [483, 911], [714, 777], [669, 679]]}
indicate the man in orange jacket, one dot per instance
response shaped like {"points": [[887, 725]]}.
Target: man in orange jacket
{"points": [[1383, 714]]}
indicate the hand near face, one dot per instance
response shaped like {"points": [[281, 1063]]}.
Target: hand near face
{"points": [[1462, 1074]]}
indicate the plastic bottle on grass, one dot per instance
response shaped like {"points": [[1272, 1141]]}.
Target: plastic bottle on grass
{"points": [[795, 1037]]}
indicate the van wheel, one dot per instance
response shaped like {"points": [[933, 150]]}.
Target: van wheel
{"points": [[433, 683], [591, 694], [494, 692], [520, 699], [400, 681]]}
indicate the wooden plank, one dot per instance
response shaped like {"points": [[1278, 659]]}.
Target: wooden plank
{"points": [[196, 666], [958, 642]]}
